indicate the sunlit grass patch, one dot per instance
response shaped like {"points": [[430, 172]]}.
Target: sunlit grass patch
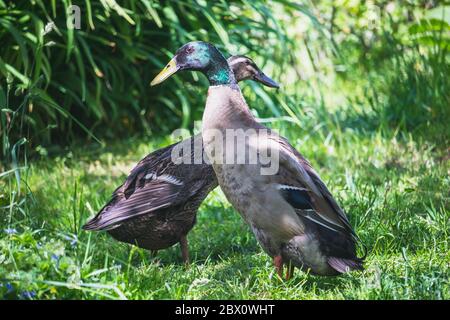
{"points": [[393, 189]]}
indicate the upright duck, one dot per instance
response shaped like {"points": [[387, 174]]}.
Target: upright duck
{"points": [[156, 206], [290, 210]]}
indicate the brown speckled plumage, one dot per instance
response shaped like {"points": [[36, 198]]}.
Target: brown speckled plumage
{"points": [[176, 205]]}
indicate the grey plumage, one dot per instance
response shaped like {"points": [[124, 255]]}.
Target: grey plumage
{"points": [[292, 213]]}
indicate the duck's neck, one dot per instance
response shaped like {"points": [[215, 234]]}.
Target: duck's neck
{"points": [[219, 72], [226, 108], [226, 113]]}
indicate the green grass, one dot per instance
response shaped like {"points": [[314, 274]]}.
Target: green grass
{"points": [[394, 188]]}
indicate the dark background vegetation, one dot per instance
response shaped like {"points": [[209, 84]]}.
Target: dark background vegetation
{"points": [[365, 96], [71, 85]]}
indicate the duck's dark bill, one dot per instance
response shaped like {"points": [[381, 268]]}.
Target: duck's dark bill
{"points": [[261, 77], [165, 73]]}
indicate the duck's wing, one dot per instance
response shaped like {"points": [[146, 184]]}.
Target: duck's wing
{"points": [[146, 200], [150, 186], [160, 163], [154, 163], [302, 187], [311, 199]]}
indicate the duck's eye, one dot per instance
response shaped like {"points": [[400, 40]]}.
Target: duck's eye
{"points": [[189, 50]]}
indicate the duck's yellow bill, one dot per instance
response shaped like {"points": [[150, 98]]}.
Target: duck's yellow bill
{"points": [[169, 70]]}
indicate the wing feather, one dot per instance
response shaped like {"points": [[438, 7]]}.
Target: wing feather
{"points": [[326, 210], [146, 189], [147, 199]]}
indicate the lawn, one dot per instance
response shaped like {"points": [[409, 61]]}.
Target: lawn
{"points": [[393, 187]]}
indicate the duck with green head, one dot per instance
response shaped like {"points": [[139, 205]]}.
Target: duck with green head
{"points": [[157, 204], [204, 57], [291, 212]]}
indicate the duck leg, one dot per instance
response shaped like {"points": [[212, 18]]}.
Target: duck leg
{"points": [[184, 249], [153, 253], [290, 271], [278, 263]]}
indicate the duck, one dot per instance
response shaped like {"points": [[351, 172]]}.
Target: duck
{"points": [[289, 209], [156, 206]]}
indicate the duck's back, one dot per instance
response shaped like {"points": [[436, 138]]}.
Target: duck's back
{"points": [[158, 202]]}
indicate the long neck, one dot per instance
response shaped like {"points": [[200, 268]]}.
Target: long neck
{"points": [[219, 72], [227, 108]]}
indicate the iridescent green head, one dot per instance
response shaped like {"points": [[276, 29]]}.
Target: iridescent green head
{"points": [[199, 56]]}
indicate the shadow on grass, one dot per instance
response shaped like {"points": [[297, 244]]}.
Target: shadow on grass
{"points": [[336, 283]]}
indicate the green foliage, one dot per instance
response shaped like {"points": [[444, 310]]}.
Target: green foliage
{"points": [[400, 54], [59, 83]]}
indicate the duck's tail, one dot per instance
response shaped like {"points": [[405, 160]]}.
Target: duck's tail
{"points": [[97, 223], [343, 265]]}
